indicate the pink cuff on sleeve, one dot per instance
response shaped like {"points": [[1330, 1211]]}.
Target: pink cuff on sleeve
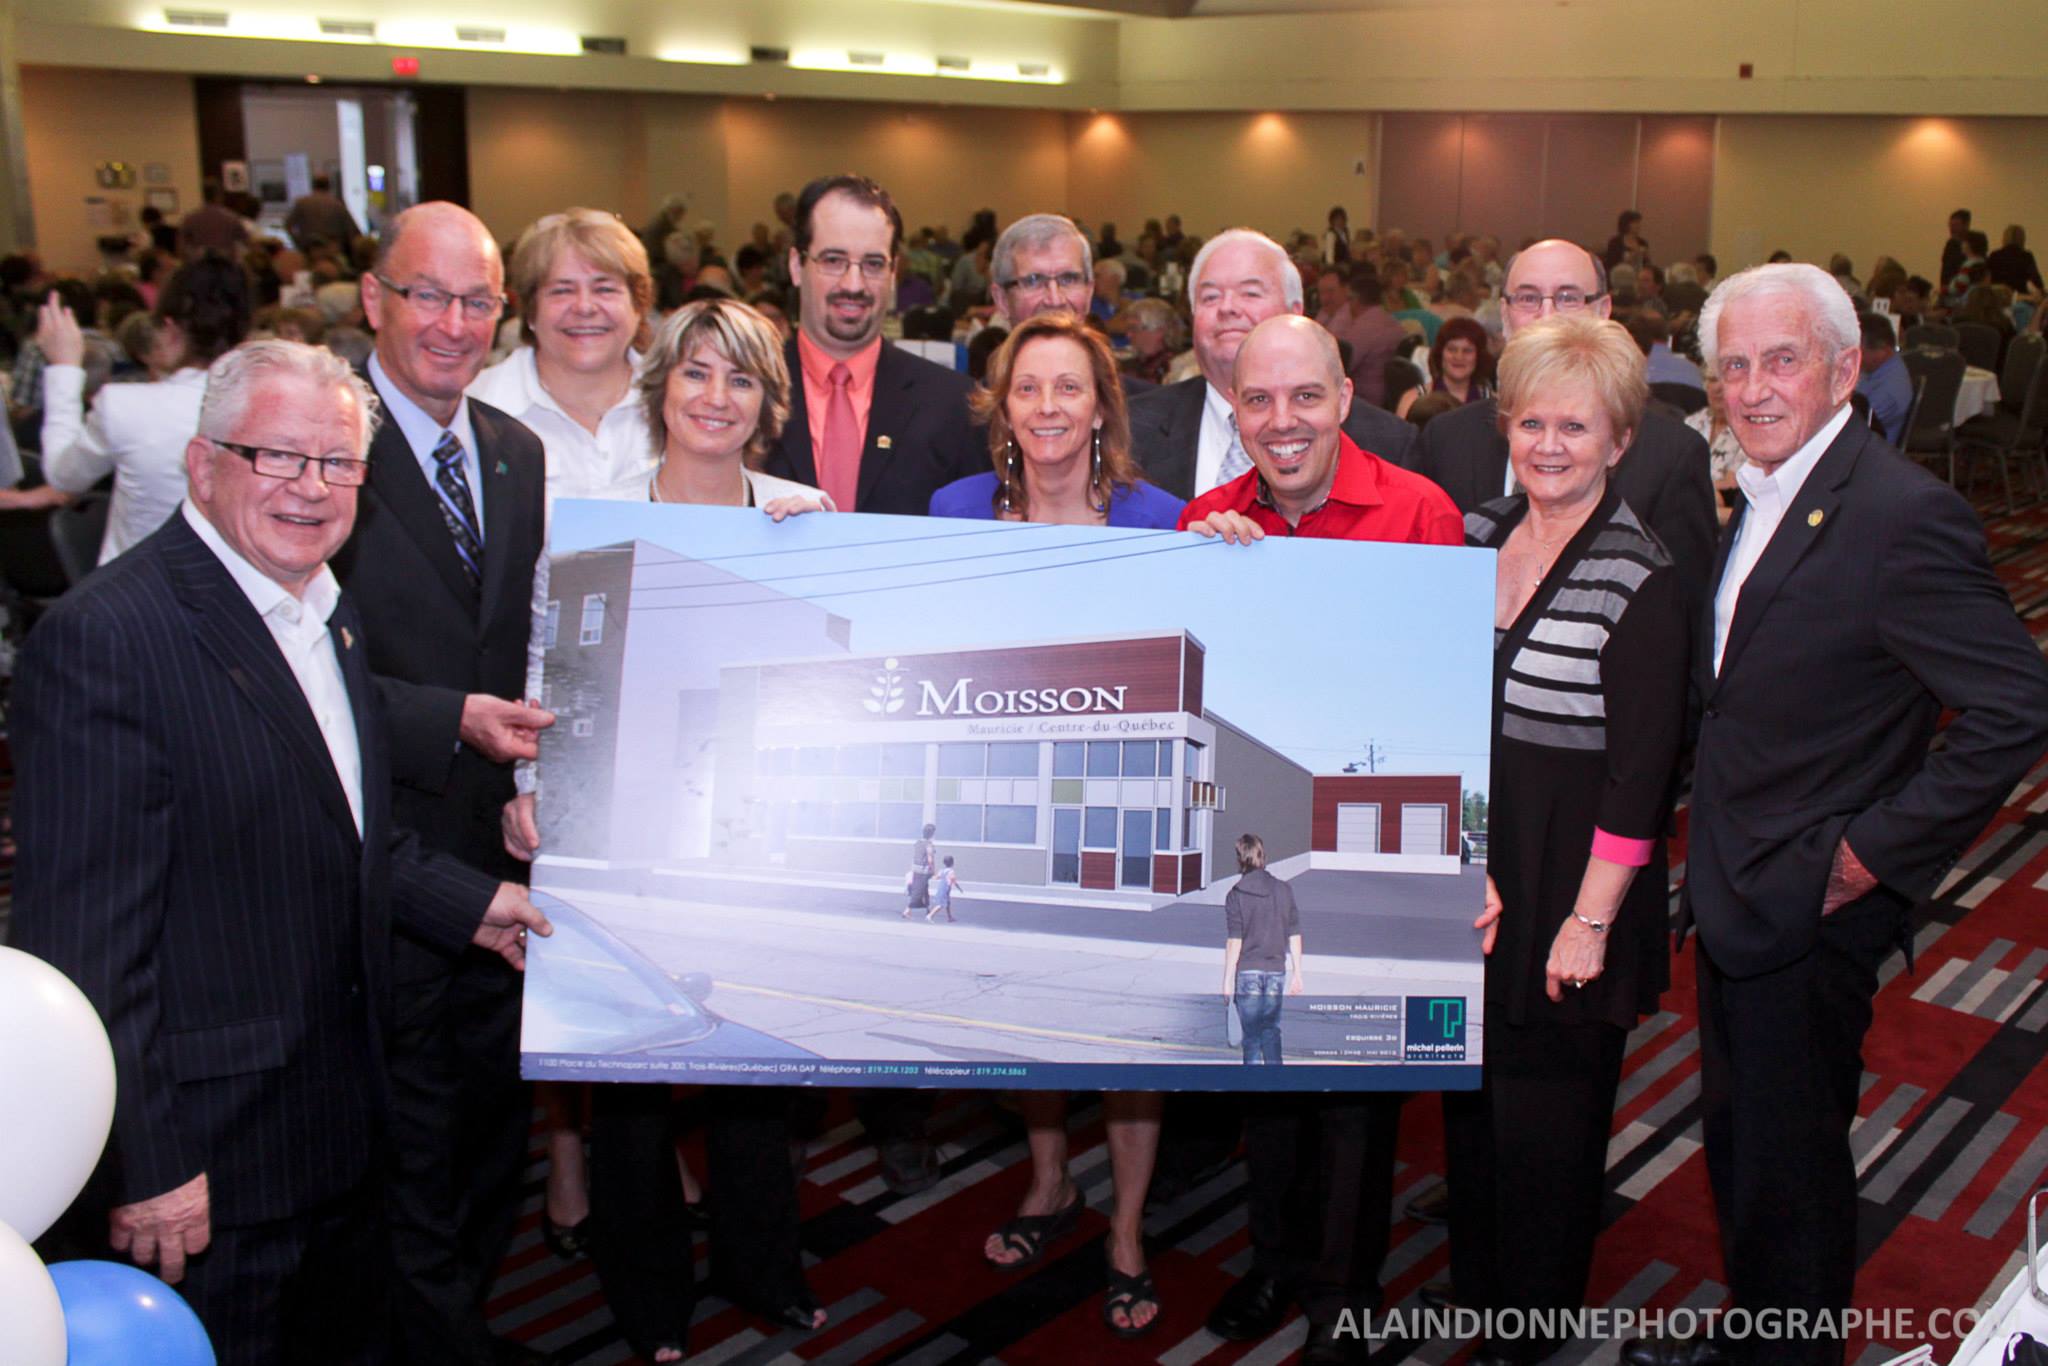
{"points": [[1626, 852]]}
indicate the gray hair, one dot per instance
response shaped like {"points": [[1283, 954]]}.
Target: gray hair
{"points": [[1118, 270], [232, 380], [1834, 317], [1030, 233], [1290, 274]]}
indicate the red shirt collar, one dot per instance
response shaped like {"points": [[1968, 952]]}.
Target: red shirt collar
{"points": [[1357, 482]]}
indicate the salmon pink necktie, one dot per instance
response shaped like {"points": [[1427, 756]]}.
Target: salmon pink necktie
{"points": [[839, 462]]}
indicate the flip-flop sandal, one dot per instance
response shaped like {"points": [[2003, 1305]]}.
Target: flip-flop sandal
{"points": [[1127, 1293], [1027, 1234]]}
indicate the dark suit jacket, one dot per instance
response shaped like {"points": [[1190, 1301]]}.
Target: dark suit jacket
{"points": [[1872, 608], [1666, 476], [434, 640], [189, 860], [1166, 433], [919, 437]]}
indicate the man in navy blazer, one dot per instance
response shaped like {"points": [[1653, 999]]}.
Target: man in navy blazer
{"points": [[1853, 601], [441, 567], [1181, 433], [875, 427], [207, 849]]}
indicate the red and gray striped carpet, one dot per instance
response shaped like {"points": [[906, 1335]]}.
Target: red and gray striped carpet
{"points": [[1954, 1135]]}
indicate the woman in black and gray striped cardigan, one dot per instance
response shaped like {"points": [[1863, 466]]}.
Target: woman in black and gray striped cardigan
{"points": [[1589, 697]]}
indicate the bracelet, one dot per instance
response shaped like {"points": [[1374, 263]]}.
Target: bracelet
{"points": [[1596, 926]]}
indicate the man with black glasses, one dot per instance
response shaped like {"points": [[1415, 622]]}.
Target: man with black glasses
{"points": [[876, 427], [1664, 476], [441, 567], [208, 850], [1043, 264]]}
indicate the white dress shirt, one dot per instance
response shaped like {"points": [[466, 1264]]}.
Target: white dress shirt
{"points": [[299, 626], [423, 434], [136, 432], [1768, 495], [1219, 428], [581, 463]]}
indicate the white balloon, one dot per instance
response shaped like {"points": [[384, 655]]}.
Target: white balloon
{"points": [[56, 1093], [31, 1315]]}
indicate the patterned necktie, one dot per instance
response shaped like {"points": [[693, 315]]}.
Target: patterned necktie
{"points": [[457, 508], [839, 462], [1235, 460]]}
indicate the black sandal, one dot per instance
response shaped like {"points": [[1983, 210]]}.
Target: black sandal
{"points": [[1127, 1293], [1027, 1234]]}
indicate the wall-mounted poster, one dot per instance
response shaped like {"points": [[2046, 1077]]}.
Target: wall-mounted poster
{"points": [[234, 176], [871, 800], [163, 199]]}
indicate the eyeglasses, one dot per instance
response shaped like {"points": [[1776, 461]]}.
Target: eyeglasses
{"points": [[275, 464], [1566, 300], [1038, 282], [833, 264], [430, 302]]}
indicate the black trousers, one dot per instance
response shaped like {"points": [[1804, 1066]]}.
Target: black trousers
{"points": [[1781, 1061], [641, 1245], [1526, 1160], [459, 1122], [1320, 1183], [310, 1290]]}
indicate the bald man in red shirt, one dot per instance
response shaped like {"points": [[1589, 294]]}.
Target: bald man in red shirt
{"points": [[1308, 478], [1320, 1166]]}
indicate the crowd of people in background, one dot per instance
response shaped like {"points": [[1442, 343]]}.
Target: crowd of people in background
{"points": [[1550, 402], [1389, 297]]}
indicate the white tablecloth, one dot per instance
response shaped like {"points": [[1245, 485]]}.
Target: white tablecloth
{"points": [[1979, 394]]}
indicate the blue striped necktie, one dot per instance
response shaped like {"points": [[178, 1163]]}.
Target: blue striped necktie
{"points": [[458, 510]]}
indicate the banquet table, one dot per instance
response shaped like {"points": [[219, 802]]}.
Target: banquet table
{"points": [[1979, 394]]}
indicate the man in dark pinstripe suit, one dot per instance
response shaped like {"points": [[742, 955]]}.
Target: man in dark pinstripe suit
{"points": [[206, 848]]}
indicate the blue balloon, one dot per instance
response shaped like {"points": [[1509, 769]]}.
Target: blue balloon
{"points": [[117, 1315]]}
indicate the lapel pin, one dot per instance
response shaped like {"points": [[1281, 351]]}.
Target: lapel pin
{"points": [[882, 443], [503, 468], [1813, 517], [348, 642]]}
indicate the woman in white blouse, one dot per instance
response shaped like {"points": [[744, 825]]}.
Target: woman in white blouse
{"points": [[138, 432], [713, 393], [584, 293]]}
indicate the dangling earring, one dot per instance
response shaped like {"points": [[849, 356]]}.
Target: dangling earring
{"points": [[1012, 476], [1095, 485]]}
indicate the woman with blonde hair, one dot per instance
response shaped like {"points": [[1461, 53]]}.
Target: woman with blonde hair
{"points": [[1589, 702], [585, 293], [712, 395]]}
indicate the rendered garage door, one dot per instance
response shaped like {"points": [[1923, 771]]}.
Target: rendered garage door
{"points": [[1422, 829], [1358, 828]]}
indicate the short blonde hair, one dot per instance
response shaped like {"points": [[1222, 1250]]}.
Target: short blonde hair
{"points": [[599, 238], [1574, 349], [746, 339]]}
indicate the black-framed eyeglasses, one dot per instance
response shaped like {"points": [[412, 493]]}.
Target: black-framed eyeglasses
{"points": [[432, 302], [834, 264], [275, 464], [1566, 300], [1038, 282]]}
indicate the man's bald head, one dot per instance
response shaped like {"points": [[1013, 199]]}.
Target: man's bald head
{"points": [[1291, 400], [434, 298], [1305, 343], [440, 217], [1546, 268]]}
